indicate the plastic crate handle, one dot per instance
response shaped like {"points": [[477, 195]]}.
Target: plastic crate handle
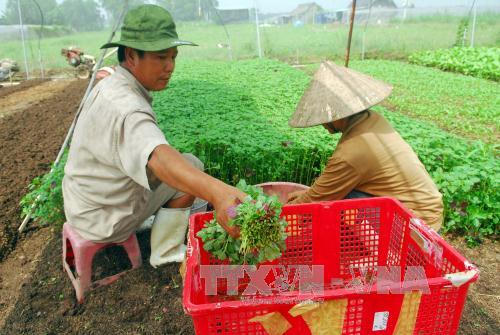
{"points": [[434, 249], [460, 278], [428, 240]]}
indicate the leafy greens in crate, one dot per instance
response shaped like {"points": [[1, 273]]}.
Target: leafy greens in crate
{"points": [[262, 231]]}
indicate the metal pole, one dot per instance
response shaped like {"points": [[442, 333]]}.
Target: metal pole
{"points": [[22, 38], [473, 25], [40, 61], [40, 35], [73, 124], [258, 29], [404, 10], [230, 49], [350, 34], [364, 31]]}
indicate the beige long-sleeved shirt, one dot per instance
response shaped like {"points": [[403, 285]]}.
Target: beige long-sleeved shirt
{"points": [[372, 157]]}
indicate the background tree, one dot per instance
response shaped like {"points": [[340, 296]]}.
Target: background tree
{"points": [[31, 14], [182, 10], [82, 15], [189, 10], [113, 8]]}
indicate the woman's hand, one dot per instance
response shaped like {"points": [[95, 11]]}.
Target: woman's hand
{"points": [[292, 197]]}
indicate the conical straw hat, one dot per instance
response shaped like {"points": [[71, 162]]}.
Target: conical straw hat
{"points": [[335, 93]]}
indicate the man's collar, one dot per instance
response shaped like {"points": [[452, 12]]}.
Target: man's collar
{"points": [[135, 83], [355, 122]]}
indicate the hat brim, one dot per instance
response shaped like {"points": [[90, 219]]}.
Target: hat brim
{"points": [[337, 92], [157, 45]]}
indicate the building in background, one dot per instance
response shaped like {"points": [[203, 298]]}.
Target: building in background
{"points": [[281, 19], [381, 11], [309, 13], [365, 4], [235, 15]]}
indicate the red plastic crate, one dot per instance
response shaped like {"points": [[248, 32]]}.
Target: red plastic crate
{"points": [[351, 239]]}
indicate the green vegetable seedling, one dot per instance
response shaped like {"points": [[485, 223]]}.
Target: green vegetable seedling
{"points": [[262, 231]]}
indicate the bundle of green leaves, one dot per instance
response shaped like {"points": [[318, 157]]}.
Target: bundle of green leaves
{"points": [[262, 231]]}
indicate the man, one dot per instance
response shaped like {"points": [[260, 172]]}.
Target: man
{"points": [[371, 158], [120, 168]]}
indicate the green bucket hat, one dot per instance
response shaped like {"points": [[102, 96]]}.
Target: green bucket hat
{"points": [[148, 28]]}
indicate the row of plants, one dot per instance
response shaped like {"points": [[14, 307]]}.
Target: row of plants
{"points": [[478, 62], [466, 173], [234, 116], [463, 105]]}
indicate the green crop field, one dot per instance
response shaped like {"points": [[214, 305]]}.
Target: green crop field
{"points": [[477, 62], [310, 43], [460, 104], [234, 117], [463, 105]]}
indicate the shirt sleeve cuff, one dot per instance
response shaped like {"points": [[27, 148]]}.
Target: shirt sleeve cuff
{"points": [[145, 154]]}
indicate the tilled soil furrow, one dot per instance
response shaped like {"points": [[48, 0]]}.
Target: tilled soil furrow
{"points": [[30, 141]]}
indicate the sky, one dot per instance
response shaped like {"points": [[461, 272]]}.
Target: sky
{"points": [[283, 6]]}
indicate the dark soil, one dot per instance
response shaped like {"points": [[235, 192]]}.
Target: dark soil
{"points": [[481, 314], [30, 140], [144, 301]]}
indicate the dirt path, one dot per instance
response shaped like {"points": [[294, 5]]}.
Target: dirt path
{"points": [[30, 140], [6, 89], [16, 270], [20, 100], [481, 314]]}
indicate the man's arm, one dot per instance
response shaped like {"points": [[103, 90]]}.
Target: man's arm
{"points": [[172, 169]]}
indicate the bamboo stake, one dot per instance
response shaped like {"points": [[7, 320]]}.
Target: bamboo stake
{"points": [[353, 11], [73, 124]]}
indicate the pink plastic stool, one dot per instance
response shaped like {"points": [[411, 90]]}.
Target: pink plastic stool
{"points": [[78, 254]]}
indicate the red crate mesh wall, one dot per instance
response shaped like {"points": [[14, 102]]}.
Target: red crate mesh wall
{"points": [[235, 323], [353, 317], [415, 257], [398, 230], [359, 238], [299, 244], [448, 266], [439, 312]]}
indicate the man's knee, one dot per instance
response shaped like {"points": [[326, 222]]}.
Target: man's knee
{"points": [[194, 161]]}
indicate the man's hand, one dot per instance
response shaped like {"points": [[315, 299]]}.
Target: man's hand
{"points": [[171, 168], [294, 196], [224, 206]]}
